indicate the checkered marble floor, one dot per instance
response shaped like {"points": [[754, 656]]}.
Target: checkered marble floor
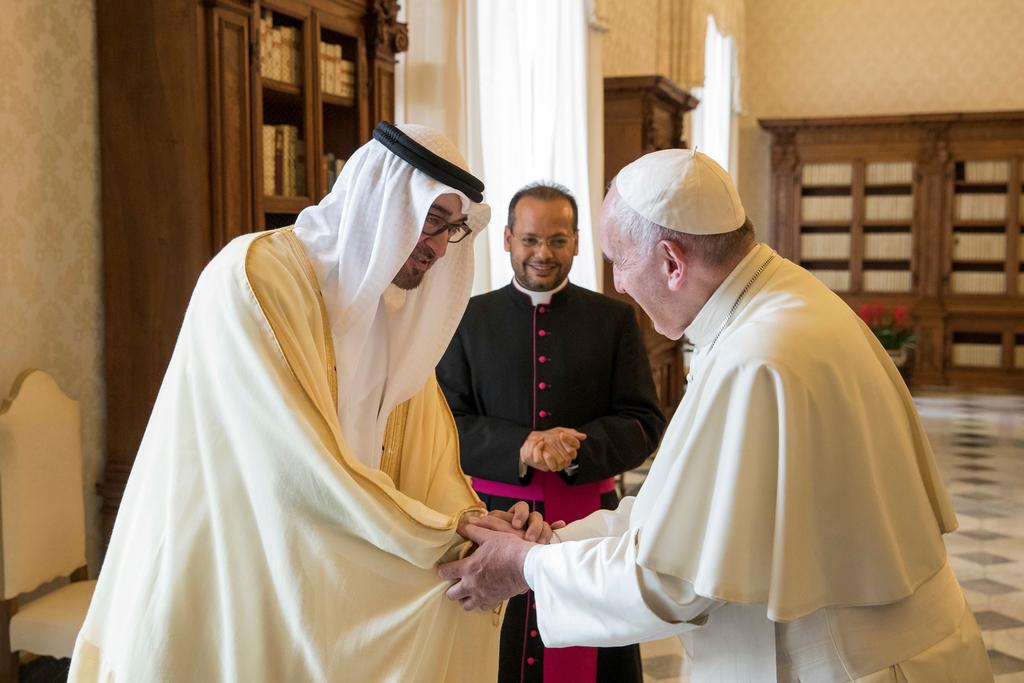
{"points": [[979, 444]]}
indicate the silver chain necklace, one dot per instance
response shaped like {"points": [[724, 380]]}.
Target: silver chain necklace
{"points": [[736, 304]]}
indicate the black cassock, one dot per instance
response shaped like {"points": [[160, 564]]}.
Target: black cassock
{"points": [[576, 362]]}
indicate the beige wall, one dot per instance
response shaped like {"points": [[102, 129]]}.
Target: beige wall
{"points": [[630, 47], [837, 58], [840, 58], [50, 310]]}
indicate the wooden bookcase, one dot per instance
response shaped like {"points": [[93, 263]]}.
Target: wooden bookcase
{"points": [[644, 114], [922, 210], [184, 94]]}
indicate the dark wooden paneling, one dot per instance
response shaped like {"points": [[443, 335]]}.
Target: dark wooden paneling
{"points": [[644, 114], [155, 204], [231, 135], [181, 110]]}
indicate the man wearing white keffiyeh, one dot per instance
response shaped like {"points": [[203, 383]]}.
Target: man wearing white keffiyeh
{"points": [[299, 477]]}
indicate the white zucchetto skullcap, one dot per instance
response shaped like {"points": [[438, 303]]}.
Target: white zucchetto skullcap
{"points": [[682, 190]]}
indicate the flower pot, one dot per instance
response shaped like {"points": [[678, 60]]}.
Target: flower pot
{"points": [[899, 356]]}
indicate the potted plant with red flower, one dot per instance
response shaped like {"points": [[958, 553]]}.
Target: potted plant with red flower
{"points": [[893, 328]]}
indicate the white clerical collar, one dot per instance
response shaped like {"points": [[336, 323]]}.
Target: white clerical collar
{"points": [[715, 313], [540, 298]]}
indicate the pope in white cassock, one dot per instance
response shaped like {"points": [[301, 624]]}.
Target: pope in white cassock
{"points": [[299, 477], [791, 526]]}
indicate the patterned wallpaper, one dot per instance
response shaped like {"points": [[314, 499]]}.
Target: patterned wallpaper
{"points": [[49, 213], [840, 58], [833, 57], [631, 46]]}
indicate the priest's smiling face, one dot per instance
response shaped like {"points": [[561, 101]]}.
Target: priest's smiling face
{"points": [[542, 242], [446, 209]]}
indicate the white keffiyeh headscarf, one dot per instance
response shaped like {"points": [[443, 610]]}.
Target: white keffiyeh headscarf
{"points": [[387, 341]]}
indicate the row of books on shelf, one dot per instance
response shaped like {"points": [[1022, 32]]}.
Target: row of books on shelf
{"points": [[888, 246], [877, 246], [880, 281], [284, 162], [887, 281], [889, 173], [979, 207], [897, 173], [979, 247], [899, 207], [841, 174], [280, 51], [986, 171], [331, 169], [977, 355], [977, 282], [826, 209], [825, 245], [824, 175], [1018, 356], [961, 282], [337, 75], [836, 280]]}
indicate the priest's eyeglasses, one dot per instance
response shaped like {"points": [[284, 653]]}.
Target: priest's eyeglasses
{"points": [[435, 225], [553, 243]]}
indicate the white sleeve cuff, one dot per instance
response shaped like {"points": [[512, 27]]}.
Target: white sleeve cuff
{"points": [[528, 566], [593, 593]]}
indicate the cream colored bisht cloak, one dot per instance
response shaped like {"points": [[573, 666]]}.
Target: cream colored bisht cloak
{"points": [[251, 544]]}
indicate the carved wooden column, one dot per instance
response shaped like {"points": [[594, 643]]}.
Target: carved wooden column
{"points": [[934, 173], [784, 197], [385, 38]]}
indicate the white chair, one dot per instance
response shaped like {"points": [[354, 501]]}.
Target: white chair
{"points": [[42, 521]]}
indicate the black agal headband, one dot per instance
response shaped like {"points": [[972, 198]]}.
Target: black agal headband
{"points": [[422, 158]]}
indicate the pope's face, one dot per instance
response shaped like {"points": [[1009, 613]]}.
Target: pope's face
{"points": [[446, 209], [641, 275], [542, 243]]}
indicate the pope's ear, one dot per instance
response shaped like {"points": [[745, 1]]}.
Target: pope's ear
{"points": [[673, 263]]}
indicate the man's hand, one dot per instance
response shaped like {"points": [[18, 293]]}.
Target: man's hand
{"points": [[551, 450], [492, 574], [518, 520]]}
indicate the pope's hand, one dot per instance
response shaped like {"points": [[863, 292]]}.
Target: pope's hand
{"points": [[492, 574]]}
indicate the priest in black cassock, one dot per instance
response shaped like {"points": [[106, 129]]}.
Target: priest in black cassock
{"points": [[553, 397]]}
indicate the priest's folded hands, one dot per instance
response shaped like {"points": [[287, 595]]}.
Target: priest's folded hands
{"points": [[493, 572], [551, 450]]}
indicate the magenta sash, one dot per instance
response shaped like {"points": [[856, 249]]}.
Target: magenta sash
{"points": [[568, 504]]}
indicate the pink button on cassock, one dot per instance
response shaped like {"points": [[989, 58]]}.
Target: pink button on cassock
{"points": [[542, 386], [541, 309], [533, 633], [542, 333], [543, 413], [530, 660], [542, 359]]}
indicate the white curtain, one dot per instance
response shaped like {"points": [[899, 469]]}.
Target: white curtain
{"points": [[533, 124], [713, 118]]}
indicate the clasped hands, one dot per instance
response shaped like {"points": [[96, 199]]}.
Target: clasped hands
{"points": [[551, 450], [493, 572]]}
